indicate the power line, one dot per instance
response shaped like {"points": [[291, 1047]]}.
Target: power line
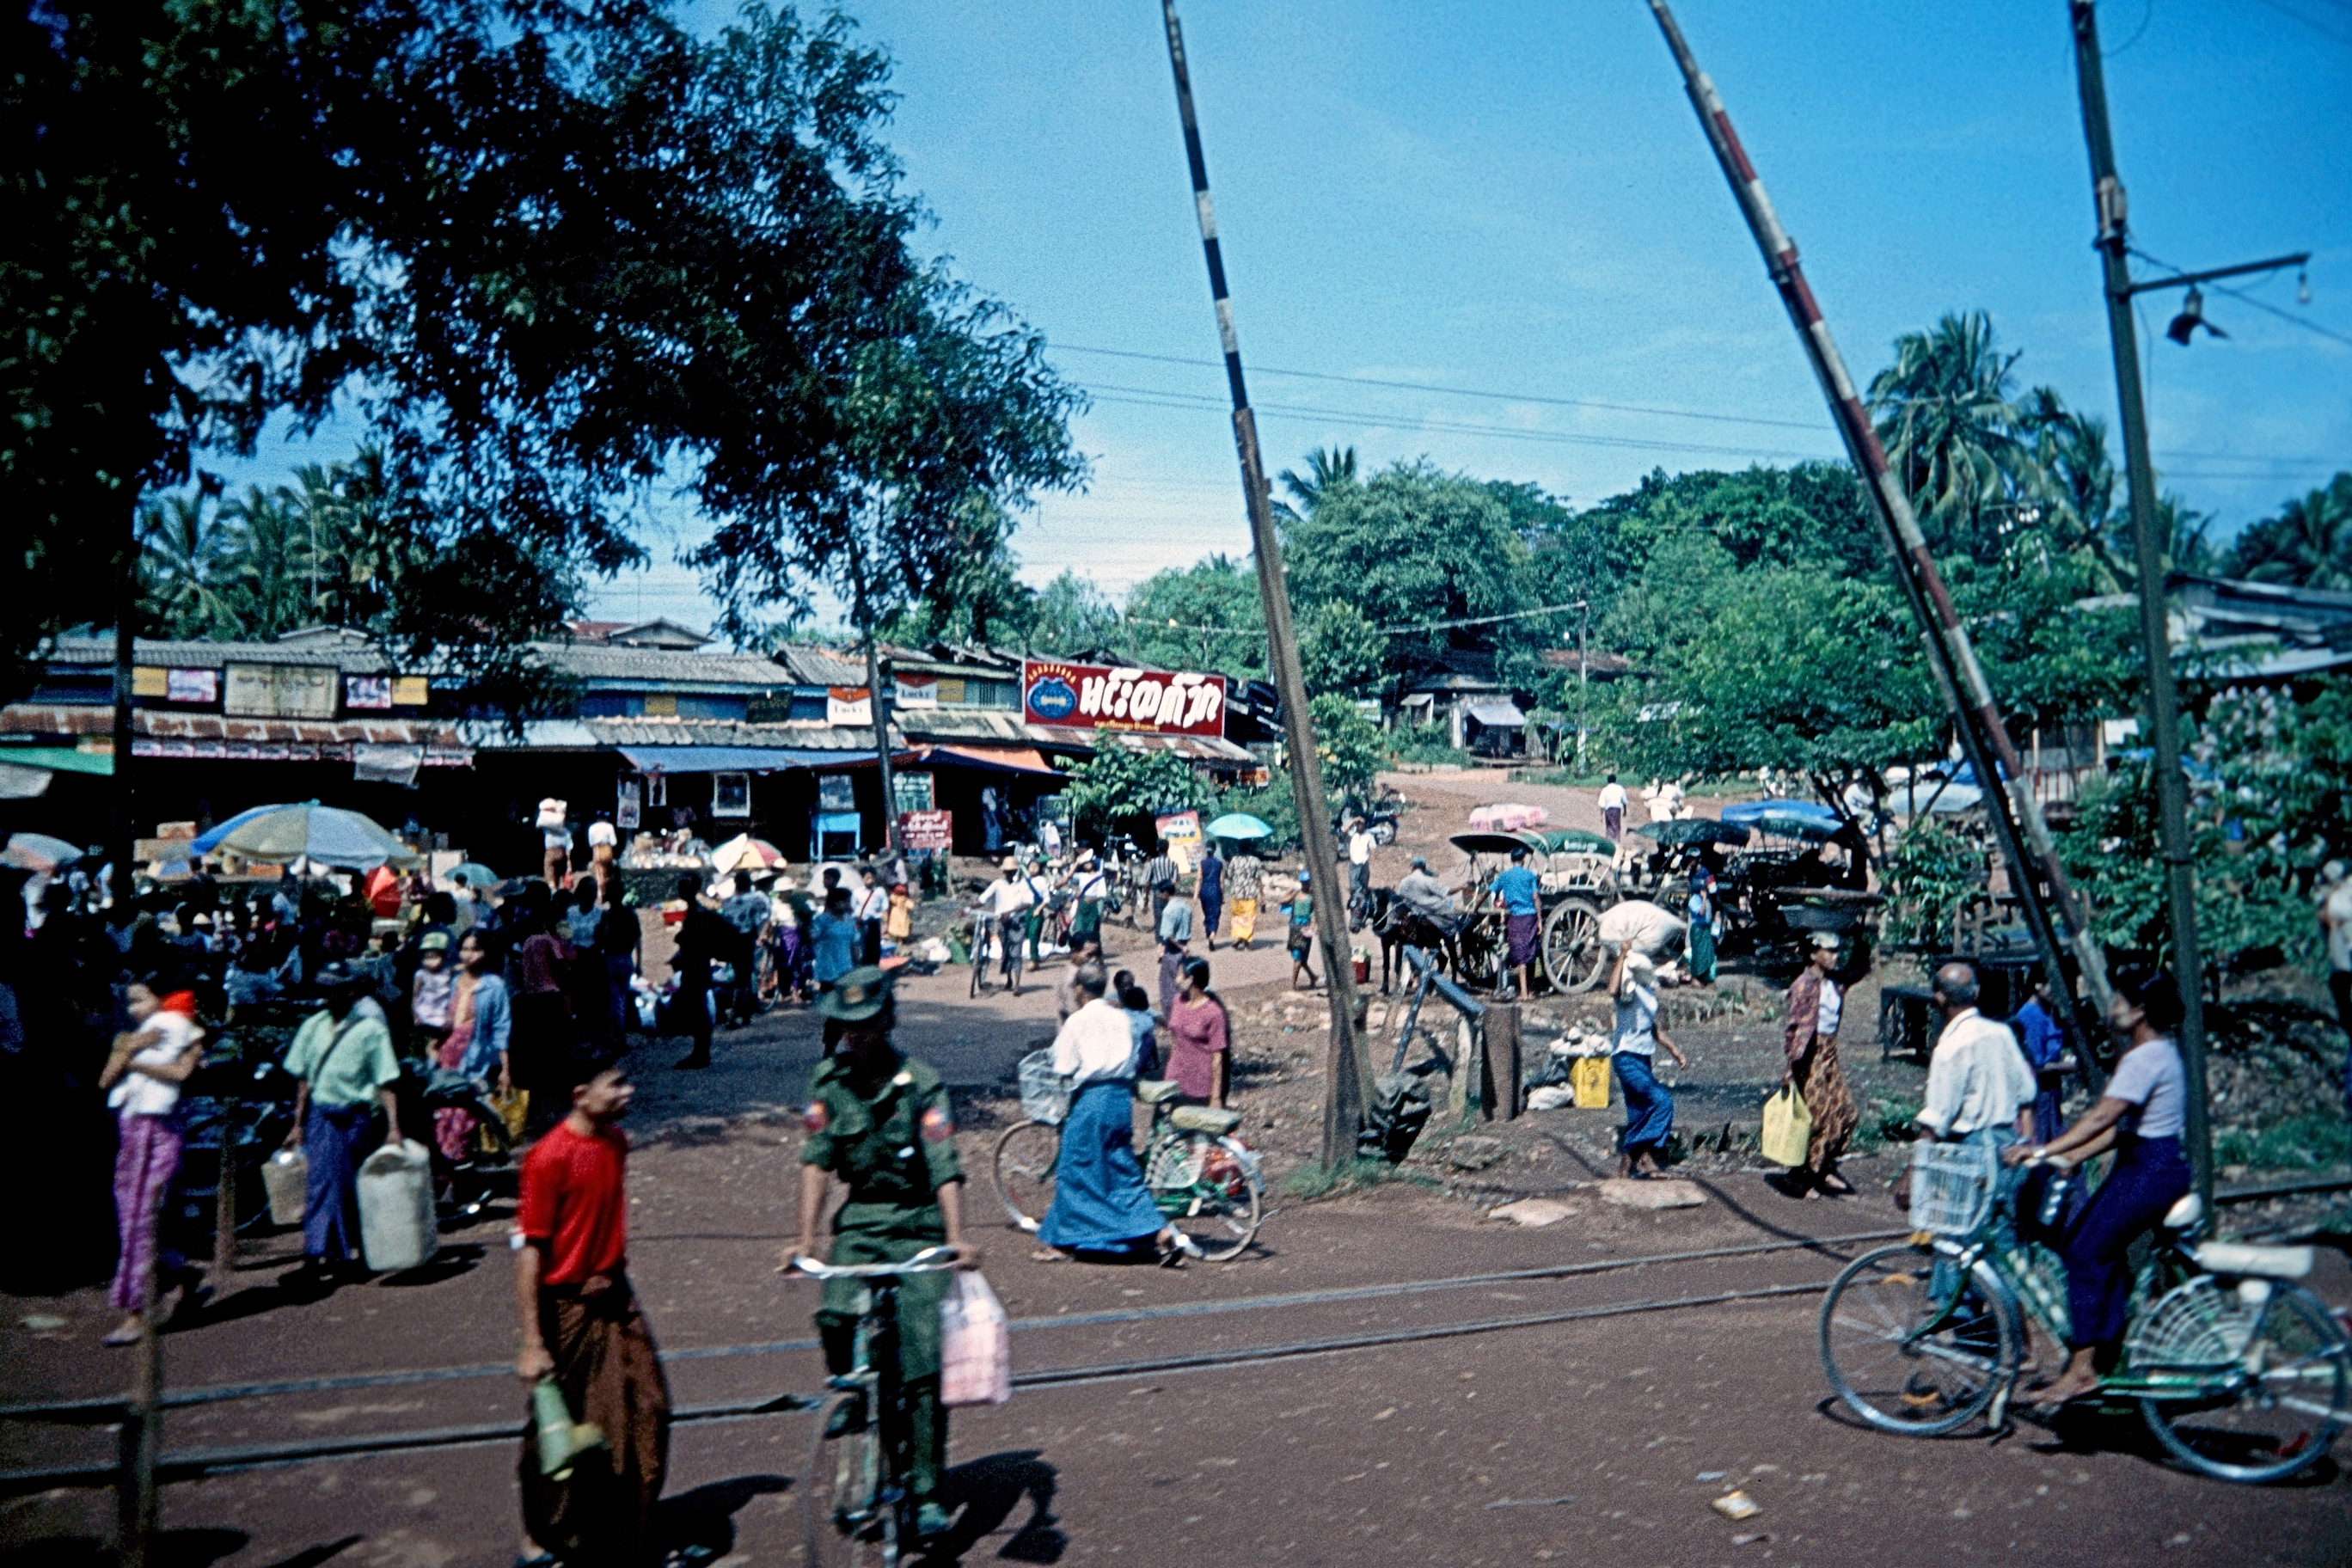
{"points": [[1153, 397], [1460, 391], [1384, 631], [2322, 28]]}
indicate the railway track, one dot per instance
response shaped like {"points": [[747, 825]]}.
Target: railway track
{"points": [[197, 1463]]}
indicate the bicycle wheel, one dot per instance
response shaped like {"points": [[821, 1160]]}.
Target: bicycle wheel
{"points": [[845, 1520], [1208, 1188], [1898, 1364], [1023, 1171], [2272, 1408]]}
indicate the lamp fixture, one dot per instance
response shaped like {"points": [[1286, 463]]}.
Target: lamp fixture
{"points": [[2192, 316]]}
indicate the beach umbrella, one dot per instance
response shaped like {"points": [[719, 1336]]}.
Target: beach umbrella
{"points": [[473, 874], [39, 852], [743, 852], [1692, 830], [309, 831], [1239, 825]]}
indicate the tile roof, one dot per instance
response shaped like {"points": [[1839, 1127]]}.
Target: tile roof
{"points": [[807, 665], [357, 658], [592, 661]]}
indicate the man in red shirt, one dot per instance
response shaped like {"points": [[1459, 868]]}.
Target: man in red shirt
{"points": [[582, 1327]]}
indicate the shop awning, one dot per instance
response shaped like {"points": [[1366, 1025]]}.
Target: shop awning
{"points": [[990, 759], [1495, 714], [737, 759]]}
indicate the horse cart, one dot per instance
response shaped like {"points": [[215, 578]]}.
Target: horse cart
{"points": [[1577, 873]]}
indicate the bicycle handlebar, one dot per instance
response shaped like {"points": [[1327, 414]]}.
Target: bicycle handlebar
{"points": [[923, 1262]]}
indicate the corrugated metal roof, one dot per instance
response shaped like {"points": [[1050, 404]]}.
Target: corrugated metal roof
{"points": [[156, 653], [90, 719], [962, 724], [591, 662], [806, 665]]}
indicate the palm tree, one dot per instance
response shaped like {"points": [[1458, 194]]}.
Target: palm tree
{"points": [[180, 568], [1326, 467], [1949, 428], [2308, 543], [2073, 479], [268, 561]]}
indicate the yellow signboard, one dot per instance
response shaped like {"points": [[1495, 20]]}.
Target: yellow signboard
{"points": [[147, 681], [411, 691]]}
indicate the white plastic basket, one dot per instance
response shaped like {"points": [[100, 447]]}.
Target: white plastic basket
{"points": [[1952, 1188], [1045, 1097]]}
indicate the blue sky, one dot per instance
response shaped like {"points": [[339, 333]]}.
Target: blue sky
{"points": [[1516, 199]]}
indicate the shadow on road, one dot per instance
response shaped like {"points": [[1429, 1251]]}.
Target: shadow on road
{"points": [[990, 1489], [169, 1549], [705, 1517]]}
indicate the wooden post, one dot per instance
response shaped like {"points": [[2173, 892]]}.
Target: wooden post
{"points": [[1501, 1041], [141, 1437], [225, 1203], [1465, 1065]]}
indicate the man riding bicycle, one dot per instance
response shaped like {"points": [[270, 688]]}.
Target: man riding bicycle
{"points": [[881, 1121]]}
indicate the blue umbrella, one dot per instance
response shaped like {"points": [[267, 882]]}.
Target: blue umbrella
{"points": [[1751, 813], [1238, 825], [309, 831], [473, 874]]}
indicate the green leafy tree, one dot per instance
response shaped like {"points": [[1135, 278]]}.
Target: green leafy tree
{"points": [[1411, 545], [1207, 616], [1120, 789], [1071, 615], [1340, 651], [270, 569], [1350, 746], [552, 255], [183, 570]]}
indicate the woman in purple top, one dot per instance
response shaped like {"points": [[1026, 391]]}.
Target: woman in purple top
{"points": [[1199, 1059]]}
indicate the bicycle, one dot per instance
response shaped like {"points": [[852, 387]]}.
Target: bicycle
{"points": [[2240, 1372], [855, 1506], [1202, 1179]]}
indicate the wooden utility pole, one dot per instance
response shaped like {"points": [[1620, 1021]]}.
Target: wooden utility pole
{"points": [[2150, 548], [1346, 1066], [877, 709], [122, 839]]}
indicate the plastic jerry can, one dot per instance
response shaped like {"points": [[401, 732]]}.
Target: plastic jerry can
{"points": [[396, 1222], [284, 1176]]}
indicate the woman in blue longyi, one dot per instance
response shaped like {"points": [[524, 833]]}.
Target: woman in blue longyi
{"points": [[1100, 1203]]}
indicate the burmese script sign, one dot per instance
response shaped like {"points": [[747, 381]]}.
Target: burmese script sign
{"points": [[1101, 697]]}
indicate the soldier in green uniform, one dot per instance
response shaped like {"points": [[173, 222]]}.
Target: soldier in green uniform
{"points": [[881, 1123]]}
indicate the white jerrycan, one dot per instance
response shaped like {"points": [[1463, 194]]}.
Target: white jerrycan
{"points": [[396, 1223]]}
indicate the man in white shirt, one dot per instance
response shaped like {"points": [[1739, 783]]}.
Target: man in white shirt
{"points": [[1979, 1088], [1668, 804], [868, 904], [1100, 1201], [1613, 810], [1006, 900], [604, 849], [1360, 845]]}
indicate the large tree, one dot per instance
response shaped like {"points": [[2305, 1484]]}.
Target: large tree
{"points": [[551, 256], [2308, 543], [1947, 414]]}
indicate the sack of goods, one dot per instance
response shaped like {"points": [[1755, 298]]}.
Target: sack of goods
{"points": [[975, 1345], [1788, 1127]]}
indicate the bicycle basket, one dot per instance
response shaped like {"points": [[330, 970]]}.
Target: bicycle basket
{"points": [[1045, 1097], [1951, 1188]]}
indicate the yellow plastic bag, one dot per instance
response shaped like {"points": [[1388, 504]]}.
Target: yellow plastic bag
{"points": [[512, 1106], [1788, 1127], [1588, 1077]]}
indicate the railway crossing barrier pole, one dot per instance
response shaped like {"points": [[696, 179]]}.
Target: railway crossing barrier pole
{"points": [[2040, 880], [1347, 1068]]}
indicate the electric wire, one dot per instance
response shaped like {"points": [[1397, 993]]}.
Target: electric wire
{"points": [[2240, 294]]}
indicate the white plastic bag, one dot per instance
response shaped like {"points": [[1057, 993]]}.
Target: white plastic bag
{"points": [[975, 1346]]}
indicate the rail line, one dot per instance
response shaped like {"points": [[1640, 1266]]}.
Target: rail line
{"points": [[197, 1463], [103, 1408]]}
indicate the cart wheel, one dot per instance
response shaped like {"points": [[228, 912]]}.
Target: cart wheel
{"points": [[1572, 945]]}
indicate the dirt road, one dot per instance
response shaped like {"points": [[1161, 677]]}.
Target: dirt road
{"points": [[1594, 1437]]}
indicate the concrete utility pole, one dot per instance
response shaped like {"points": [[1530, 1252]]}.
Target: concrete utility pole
{"points": [[2011, 809], [1345, 1063], [2149, 549]]}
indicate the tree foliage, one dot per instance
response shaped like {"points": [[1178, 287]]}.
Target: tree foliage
{"points": [[551, 256], [2308, 544], [1120, 789]]}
